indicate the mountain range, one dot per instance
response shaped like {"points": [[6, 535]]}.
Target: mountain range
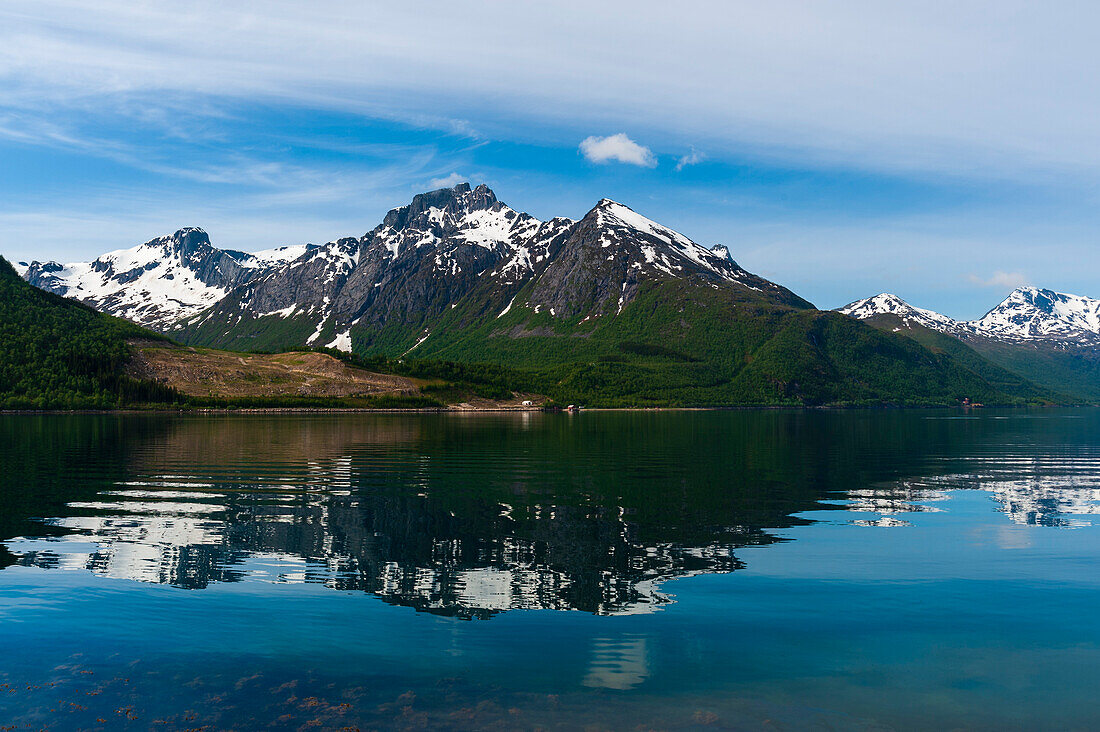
{"points": [[1027, 315], [158, 282], [613, 308], [1050, 338]]}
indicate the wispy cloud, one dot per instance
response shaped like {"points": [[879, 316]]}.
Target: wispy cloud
{"points": [[618, 148], [447, 181], [1008, 280], [887, 87], [692, 158]]}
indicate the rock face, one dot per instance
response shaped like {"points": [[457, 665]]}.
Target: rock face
{"points": [[461, 247], [1027, 315], [612, 250], [160, 281]]}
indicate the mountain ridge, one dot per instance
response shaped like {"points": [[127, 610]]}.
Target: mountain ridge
{"points": [[155, 283], [1026, 314], [449, 244], [1051, 339], [613, 309]]}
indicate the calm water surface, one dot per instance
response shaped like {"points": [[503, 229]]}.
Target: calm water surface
{"points": [[677, 570]]}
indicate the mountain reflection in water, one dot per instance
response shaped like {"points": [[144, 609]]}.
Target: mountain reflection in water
{"points": [[472, 515]]}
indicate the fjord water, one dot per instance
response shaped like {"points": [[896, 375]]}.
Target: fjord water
{"points": [[779, 570]]}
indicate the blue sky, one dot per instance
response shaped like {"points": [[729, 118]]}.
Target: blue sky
{"points": [[944, 151]]}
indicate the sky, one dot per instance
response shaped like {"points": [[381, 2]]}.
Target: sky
{"points": [[943, 151]]}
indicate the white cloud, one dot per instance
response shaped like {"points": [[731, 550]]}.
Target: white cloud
{"points": [[619, 148], [447, 181], [691, 158], [1009, 280]]}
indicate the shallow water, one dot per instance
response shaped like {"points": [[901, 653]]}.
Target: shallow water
{"points": [[675, 570]]}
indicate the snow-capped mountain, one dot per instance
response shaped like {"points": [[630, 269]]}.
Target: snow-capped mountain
{"points": [[886, 303], [158, 282], [462, 245], [613, 250], [1028, 314]]}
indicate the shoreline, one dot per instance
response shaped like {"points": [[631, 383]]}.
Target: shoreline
{"points": [[526, 410]]}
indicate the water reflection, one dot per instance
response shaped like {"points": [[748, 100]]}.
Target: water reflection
{"points": [[1051, 500], [407, 550], [365, 508], [472, 516]]}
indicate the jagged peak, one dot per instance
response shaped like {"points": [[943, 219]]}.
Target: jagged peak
{"points": [[182, 242], [609, 213], [182, 234], [459, 199], [607, 207], [1039, 297], [188, 231], [722, 251]]}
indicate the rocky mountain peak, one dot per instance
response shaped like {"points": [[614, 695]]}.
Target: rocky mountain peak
{"points": [[1030, 313], [661, 248], [884, 302], [723, 252], [1042, 299], [614, 213], [186, 243], [455, 201], [159, 281]]}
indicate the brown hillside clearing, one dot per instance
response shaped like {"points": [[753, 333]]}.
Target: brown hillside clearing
{"points": [[203, 372]]}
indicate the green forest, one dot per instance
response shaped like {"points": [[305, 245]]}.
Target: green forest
{"points": [[56, 353]]}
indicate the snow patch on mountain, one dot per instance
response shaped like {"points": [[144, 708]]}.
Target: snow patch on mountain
{"points": [[612, 215], [278, 255], [342, 341]]}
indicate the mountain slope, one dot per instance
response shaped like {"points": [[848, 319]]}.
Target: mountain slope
{"points": [[962, 353], [1063, 369], [612, 309], [462, 249], [158, 282], [56, 353], [1049, 339], [677, 344]]}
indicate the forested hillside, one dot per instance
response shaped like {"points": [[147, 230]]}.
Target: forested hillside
{"points": [[59, 354]]}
